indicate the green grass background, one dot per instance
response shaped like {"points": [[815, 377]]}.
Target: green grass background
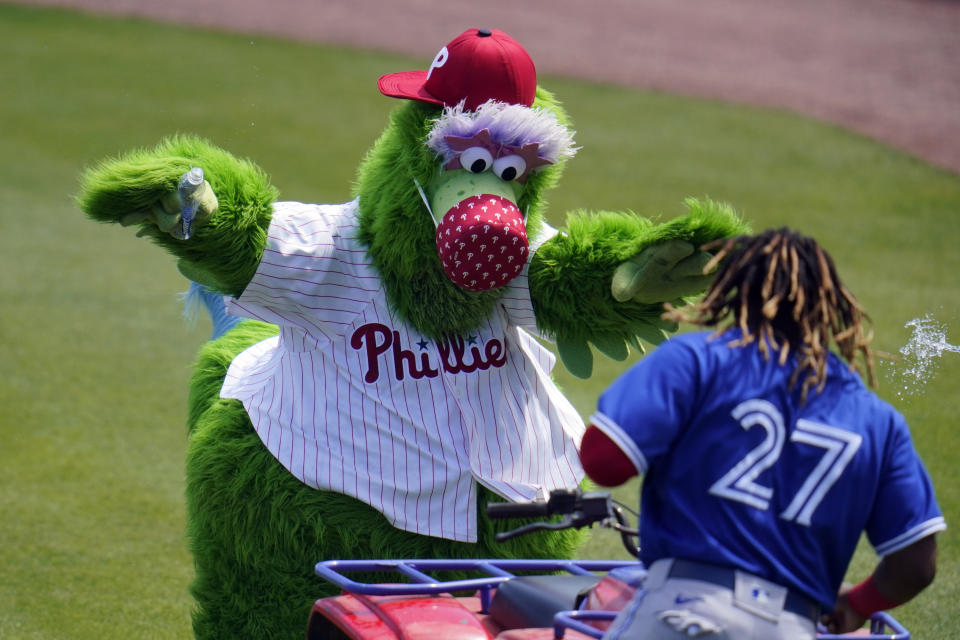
{"points": [[95, 356]]}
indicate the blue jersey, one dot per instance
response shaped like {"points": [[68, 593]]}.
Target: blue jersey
{"points": [[739, 473]]}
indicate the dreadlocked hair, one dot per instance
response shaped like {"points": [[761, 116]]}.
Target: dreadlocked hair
{"points": [[782, 290]]}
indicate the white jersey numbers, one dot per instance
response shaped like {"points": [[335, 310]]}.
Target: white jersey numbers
{"points": [[740, 482], [839, 446]]}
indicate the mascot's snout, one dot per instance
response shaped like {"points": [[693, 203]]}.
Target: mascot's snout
{"points": [[481, 234], [482, 242]]}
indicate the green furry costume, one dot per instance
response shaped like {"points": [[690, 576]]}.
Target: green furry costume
{"points": [[255, 530]]}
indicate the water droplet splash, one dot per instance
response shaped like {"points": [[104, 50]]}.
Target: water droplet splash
{"points": [[920, 356]]}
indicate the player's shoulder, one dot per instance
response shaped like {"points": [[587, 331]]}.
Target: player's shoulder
{"points": [[849, 395], [692, 341], [712, 347], [702, 348], [847, 381], [690, 346]]}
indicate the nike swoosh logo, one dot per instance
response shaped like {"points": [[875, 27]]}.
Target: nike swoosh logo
{"points": [[686, 600]]}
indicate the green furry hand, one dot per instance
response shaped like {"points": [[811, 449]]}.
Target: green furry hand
{"points": [[667, 271], [168, 213], [601, 285], [232, 203]]}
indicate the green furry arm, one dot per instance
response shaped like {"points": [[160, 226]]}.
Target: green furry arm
{"points": [[570, 278], [224, 250]]}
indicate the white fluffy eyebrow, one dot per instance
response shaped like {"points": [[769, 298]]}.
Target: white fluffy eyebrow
{"points": [[511, 124]]}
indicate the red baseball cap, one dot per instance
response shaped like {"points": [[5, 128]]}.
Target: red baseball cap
{"points": [[476, 66]]}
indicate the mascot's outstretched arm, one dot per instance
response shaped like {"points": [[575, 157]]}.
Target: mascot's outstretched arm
{"points": [[222, 245], [605, 281]]}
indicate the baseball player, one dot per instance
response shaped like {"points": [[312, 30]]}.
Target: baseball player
{"points": [[764, 457]]}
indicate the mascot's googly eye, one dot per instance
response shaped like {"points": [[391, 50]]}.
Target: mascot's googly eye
{"points": [[476, 159], [509, 167]]}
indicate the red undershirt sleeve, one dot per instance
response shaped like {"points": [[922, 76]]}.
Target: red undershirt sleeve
{"points": [[603, 461]]}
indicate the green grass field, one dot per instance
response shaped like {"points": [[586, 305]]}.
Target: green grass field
{"points": [[95, 357]]}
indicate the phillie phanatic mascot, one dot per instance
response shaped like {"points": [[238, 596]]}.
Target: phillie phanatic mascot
{"points": [[385, 383]]}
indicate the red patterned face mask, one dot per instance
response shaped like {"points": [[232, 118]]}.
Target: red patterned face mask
{"points": [[482, 242]]}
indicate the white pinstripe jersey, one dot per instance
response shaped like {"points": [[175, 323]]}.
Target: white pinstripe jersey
{"points": [[351, 399]]}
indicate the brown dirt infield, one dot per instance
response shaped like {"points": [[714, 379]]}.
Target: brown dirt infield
{"points": [[888, 69]]}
